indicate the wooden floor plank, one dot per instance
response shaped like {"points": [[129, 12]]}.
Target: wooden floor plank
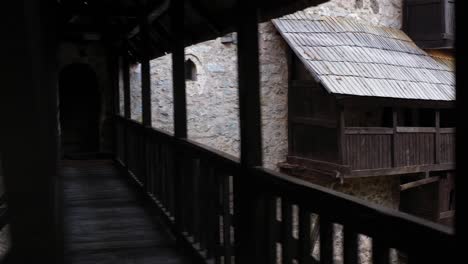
{"points": [[107, 222]]}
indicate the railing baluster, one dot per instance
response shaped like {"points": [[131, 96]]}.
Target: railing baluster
{"points": [[305, 245], [195, 200], [272, 227], [350, 246], [380, 252], [226, 219], [212, 217], [205, 213], [326, 240], [286, 234]]}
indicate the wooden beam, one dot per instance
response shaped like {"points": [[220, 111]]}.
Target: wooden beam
{"points": [[314, 121], [400, 170], [392, 102], [447, 214], [368, 131], [417, 183], [415, 129]]}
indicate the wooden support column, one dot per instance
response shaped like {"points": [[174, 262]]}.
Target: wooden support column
{"points": [[180, 107], [146, 99], [145, 72], [114, 68], [126, 94], [178, 70], [126, 84], [394, 135], [437, 137], [250, 205], [341, 135], [29, 132]]}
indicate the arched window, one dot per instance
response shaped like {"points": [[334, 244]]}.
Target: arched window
{"points": [[190, 70]]}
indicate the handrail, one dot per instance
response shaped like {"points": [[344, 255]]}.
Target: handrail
{"points": [[362, 216], [206, 212]]}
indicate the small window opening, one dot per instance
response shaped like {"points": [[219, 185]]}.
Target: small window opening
{"points": [[190, 71]]}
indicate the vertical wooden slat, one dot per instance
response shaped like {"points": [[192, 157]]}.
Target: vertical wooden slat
{"points": [[305, 245], [437, 148], [212, 215], [205, 213], [341, 136], [272, 227], [380, 253], [394, 148], [286, 231], [350, 246], [196, 200], [226, 220], [326, 240]]}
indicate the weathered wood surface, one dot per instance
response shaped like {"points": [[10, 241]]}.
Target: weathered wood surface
{"points": [[107, 222]]}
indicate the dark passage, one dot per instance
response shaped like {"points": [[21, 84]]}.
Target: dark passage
{"points": [[107, 222], [79, 110]]}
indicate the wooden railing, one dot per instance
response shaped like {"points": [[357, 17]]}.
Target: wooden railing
{"points": [[380, 148], [193, 187]]}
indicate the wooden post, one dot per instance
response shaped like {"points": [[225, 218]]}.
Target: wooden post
{"points": [[29, 132], [114, 67], [180, 107], [126, 94], [145, 72], [178, 70], [126, 83], [249, 211], [437, 137], [146, 98], [394, 135], [341, 135]]}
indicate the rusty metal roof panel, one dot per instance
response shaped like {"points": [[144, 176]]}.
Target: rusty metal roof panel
{"points": [[355, 58]]}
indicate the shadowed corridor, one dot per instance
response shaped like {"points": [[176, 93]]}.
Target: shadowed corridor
{"points": [[106, 221]]}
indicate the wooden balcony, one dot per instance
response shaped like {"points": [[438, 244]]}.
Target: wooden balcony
{"points": [[379, 151], [374, 151]]}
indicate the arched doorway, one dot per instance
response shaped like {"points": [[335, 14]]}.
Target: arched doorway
{"points": [[79, 101]]}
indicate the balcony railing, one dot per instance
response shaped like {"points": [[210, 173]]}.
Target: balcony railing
{"points": [[411, 149], [195, 190]]}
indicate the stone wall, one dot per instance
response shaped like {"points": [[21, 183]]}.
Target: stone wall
{"points": [[378, 12], [212, 99], [213, 103]]}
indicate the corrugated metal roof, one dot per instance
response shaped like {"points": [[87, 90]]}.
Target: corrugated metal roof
{"points": [[355, 58]]}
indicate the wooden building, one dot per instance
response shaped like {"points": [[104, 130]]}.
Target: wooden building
{"points": [[366, 101]]}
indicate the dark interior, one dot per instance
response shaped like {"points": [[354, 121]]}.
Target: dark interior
{"points": [[79, 110]]}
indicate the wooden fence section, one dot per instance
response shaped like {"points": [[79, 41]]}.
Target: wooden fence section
{"points": [[197, 200], [381, 148]]}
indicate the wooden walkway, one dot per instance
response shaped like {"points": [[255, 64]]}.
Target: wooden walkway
{"points": [[107, 222]]}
